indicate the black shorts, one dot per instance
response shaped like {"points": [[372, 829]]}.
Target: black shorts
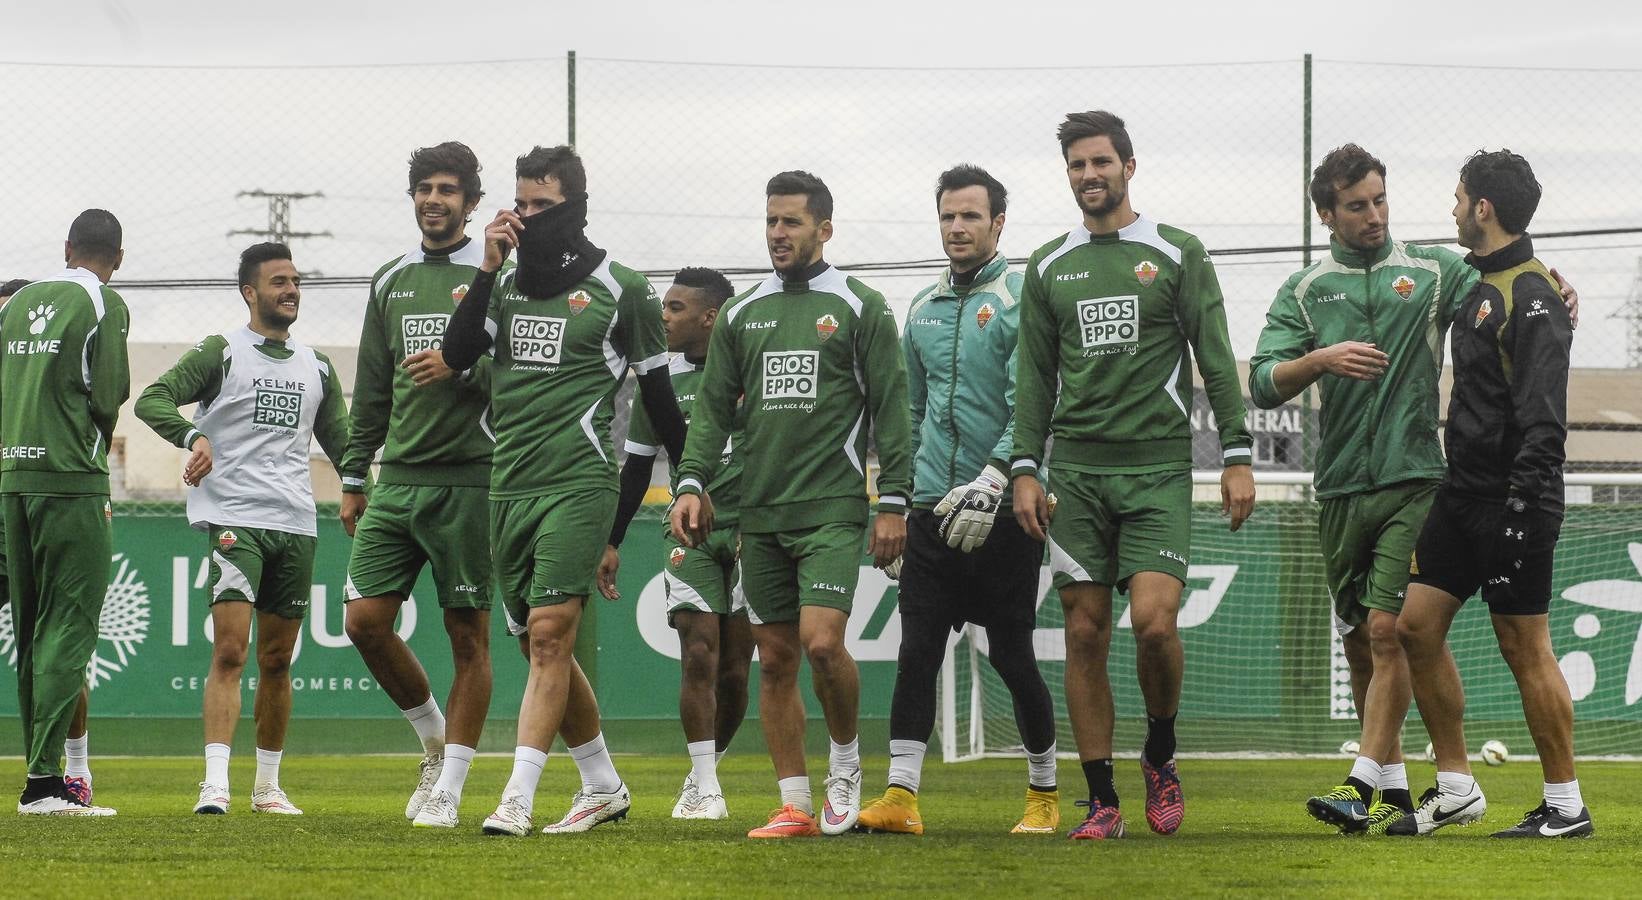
{"points": [[995, 585], [1458, 552]]}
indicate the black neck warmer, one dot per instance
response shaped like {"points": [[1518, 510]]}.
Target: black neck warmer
{"points": [[554, 254]]}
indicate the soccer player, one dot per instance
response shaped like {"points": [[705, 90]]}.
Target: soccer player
{"points": [[967, 559], [429, 505], [263, 397], [704, 599], [76, 753], [1107, 313], [1363, 324], [62, 346], [1495, 520], [814, 357], [564, 327]]}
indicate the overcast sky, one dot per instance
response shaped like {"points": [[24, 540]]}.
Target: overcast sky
{"points": [[677, 155], [842, 32]]}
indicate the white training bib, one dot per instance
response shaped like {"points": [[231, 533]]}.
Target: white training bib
{"points": [[260, 426]]}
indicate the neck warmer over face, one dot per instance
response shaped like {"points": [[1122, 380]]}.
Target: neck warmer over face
{"points": [[554, 253]]}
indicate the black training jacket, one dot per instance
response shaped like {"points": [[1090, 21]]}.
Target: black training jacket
{"points": [[1508, 414]]}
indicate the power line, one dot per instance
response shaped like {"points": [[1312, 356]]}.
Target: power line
{"points": [[901, 265], [279, 217]]}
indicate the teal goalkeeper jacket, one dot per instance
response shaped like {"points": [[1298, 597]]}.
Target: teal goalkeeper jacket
{"points": [[959, 345]]}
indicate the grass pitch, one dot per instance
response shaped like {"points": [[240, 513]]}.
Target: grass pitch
{"points": [[1245, 832]]}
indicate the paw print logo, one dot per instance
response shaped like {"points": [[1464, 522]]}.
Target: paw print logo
{"points": [[39, 317]]}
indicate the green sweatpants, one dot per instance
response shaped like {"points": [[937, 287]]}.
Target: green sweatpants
{"points": [[57, 559]]}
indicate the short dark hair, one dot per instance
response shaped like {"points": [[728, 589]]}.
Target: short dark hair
{"points": [[1505, 180], [817, 199], [560, 162], [13, 286], [966, 175], [1343, 167], [96, 235], [710, 282], [250, 261], [1095, 123], [453, 157]]}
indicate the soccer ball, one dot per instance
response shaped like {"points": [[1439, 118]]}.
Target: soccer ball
{"points": [[1430, 753], [1350, 748], [1494, 753]]}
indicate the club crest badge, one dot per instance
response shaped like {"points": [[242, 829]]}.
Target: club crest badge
{"points": [[676, 557], [1146, 272], [1404, 286], [825, 326], [227, 540], [578, 302], [984, 315], [1482, 314], [458, 292]]}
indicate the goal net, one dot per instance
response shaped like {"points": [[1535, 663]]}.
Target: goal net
{"points": [[1266, 673]]}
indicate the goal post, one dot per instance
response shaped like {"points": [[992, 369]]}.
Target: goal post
{"points": [[1265, 669]]}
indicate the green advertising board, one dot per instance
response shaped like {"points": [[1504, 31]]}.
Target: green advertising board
{"points": [[1262, 657]]}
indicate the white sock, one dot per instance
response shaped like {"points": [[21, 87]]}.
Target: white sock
{"points": [[906, 763], [458, 759], [429, 723], [78, 752], [704, 766], [267, 768], [795, 791], [1456, 783], [1040, 768], [597, 769], [527, 771], [1394, 777], [1367, 771], [844, 758], [216, 765], [1564, 798]]}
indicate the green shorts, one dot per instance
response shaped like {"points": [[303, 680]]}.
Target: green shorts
{"points": [[785, 570], [547, 549], [271, 570], [704, 579], [1107, 527], [1367, 541], [405, 526]]}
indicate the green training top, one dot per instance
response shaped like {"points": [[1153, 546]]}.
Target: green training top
{"points": [[725, 488], [428, 435], [1103, 363], [558, 363], [64, 374], [818, 366], [1399, 297]]}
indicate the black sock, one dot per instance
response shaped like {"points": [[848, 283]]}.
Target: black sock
{"points": [[1160, 743], [1098, 772], [1398, 797], [40, 787], [1362, 789]]}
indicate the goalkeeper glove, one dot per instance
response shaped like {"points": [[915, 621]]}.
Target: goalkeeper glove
{"points": [[893, 570], [967, 511]]}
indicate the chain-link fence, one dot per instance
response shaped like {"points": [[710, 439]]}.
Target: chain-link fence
{"points": [[678, 154]]}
